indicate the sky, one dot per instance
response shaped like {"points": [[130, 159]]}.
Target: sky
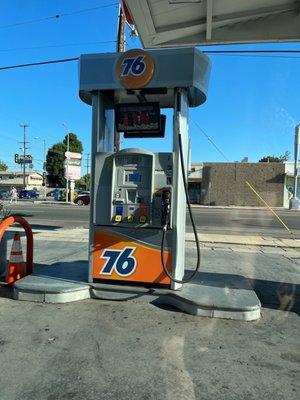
{"points": [[252, 108]]}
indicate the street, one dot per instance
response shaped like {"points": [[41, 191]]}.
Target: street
{"points": [[234, 221]]}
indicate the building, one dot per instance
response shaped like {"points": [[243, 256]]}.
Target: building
{"points": [[224, 184], [33, 180], [289, 182], [194, 182]]}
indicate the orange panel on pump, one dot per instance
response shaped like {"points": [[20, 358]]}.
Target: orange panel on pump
{"points": [[119, 258]]}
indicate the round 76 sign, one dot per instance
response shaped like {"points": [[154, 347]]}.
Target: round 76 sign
{"points": [[135, 69]]}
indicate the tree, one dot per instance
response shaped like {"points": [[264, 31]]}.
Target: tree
{"points": [[75, 144], [84, 182], [56, 157], [284, 157], [87, 180], [3, 166]]}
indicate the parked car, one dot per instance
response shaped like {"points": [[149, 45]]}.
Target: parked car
{"points": [[28, 194], [81, 192], [4, 194], [50, 193], [82, 200]]}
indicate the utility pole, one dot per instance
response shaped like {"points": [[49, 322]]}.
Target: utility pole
{"points": [[294, 201], [44, 171], [87, 171], [44, 165], [120, 49], [67, 162], [24, 143]]}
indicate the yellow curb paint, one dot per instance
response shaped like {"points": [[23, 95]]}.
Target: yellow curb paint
{"points": [[269, 208]]}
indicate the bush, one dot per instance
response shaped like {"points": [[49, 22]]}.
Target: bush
{"points": [[4, 211]]}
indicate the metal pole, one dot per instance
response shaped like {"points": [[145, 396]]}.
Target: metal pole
{"points": [[120, 48], [44, 170], [67, 167], [87, 171], [294, 201], [24, 126], [24, 154], [297, 136]]}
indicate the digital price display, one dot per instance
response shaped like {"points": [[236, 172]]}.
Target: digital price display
{"points": [[139, 120]]}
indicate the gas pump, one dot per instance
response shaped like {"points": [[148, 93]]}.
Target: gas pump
{"points": [[138, 198]]}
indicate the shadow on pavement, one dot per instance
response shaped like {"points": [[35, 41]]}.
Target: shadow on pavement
{"points": [[6, 292], [282, 296], [75, 271], [278, 295], [33, 227], [45, 227]]}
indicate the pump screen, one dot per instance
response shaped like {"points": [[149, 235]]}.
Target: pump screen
{"points": [[135, 178]]}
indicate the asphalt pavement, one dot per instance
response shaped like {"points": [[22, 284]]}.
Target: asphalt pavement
{"points": [[236, 221], [139, 350]]}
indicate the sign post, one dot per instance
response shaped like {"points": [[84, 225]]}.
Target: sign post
{"points": [[72, 171], [294, 201]]}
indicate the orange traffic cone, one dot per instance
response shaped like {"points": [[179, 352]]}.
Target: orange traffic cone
{"points": [[17, 267]]}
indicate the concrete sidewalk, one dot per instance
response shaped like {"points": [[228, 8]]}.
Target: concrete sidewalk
{"points": [[81, 235], [247, 244]]}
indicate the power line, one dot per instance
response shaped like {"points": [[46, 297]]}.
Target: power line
{"points": [[255, 56], [205, 52], [58, 16], [57, 45], [40, 63], [210, 140], [249, 51]]}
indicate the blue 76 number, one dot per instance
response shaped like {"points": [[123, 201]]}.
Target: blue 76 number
{"points": [[133, 66], [120, 261]]}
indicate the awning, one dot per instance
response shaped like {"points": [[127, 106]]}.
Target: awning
{"points": [[165, 23]]}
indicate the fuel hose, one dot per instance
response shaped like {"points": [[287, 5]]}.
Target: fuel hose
{"points": [[165, 227]]}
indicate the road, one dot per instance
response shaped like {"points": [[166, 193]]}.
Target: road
{"points": [[208, 220]]}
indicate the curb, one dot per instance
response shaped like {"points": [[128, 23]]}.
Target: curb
{"points": [[81, 235], [56, 203], [239, 208]]}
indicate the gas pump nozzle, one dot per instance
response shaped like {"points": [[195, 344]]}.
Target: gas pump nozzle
{"points": [[165, 208]]}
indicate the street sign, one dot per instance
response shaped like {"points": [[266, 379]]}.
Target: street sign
{"points": [[69, 155], [72, 166], [24, 159], [72, 172], [74, 162]]}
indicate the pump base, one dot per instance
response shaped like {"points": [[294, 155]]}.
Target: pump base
{"points": [[213, 295], [216, 301]]}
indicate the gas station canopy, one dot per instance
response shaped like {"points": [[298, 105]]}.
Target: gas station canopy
{"points": [[165, 23]]}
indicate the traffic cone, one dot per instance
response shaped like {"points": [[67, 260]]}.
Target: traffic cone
{"points": [[17, 267]]}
